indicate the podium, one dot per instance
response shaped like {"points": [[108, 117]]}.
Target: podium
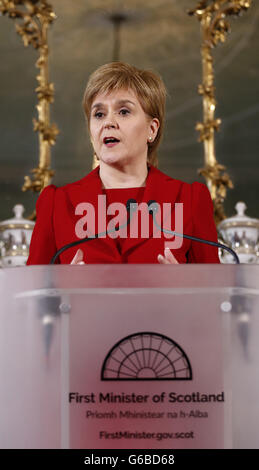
{"points": [[129, 356]]}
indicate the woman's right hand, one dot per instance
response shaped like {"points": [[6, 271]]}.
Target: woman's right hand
{"points": [[169, 258], [78, 258]]}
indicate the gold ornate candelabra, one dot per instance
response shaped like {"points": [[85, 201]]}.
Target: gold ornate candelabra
{"points": [[33, 20], [214, 28]]}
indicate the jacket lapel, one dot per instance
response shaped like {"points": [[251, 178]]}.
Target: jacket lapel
{"points": [[87, 190], [160, 188]]}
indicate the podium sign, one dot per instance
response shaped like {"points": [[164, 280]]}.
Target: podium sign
{"points": [[146, 372], [129, 356]]}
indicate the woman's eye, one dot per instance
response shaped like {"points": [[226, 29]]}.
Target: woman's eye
{"points": [[98, 115], [124, 111]]}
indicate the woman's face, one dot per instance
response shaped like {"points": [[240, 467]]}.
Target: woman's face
{"points": [[120, 129]]}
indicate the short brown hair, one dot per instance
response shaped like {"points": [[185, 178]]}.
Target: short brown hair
{"points": [[147, 85]]}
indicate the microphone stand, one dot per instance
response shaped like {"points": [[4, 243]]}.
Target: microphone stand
{"points": [[131, 207], [49, 306], [153, 209]]}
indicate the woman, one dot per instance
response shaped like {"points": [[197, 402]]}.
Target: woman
{"points": [[125, 109]]}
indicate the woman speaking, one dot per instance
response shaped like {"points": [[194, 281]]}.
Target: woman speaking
{"points": [[125, 109]]}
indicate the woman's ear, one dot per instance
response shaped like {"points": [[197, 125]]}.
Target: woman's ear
{"points": [[154, 126]]}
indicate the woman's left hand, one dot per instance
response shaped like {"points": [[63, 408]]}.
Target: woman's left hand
{"points": [[168, 258], [78, 258]]}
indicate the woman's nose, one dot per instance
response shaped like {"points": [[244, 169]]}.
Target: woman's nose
{"points": [[110, 121]]}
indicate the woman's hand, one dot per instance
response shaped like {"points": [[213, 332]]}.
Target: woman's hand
{"points": [[168, 258], [78, 258]]}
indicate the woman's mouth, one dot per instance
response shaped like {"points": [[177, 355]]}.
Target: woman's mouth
{"points": [[110, 141]]}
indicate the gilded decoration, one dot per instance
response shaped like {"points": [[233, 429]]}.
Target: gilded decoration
{"points": [[33, 20], [212, 15]]}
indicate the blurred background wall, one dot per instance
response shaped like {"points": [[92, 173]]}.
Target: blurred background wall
{"points": [[159, 35]]}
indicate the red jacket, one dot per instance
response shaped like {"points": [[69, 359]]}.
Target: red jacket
{"points": [[56, 221]]}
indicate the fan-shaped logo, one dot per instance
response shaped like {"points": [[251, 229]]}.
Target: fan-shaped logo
{"points": [[146, 356]]}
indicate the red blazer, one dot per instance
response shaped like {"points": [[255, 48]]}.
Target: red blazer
{"points": [[56, 220]]}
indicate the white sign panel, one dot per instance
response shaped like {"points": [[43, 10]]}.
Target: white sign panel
{"points": [[146, 371]]}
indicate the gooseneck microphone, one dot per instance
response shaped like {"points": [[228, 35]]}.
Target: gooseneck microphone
{"points": [[131, 207], [153, 209]]}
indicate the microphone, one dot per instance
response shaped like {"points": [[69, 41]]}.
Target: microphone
{"points": [[131, 207], [153, 209]]}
